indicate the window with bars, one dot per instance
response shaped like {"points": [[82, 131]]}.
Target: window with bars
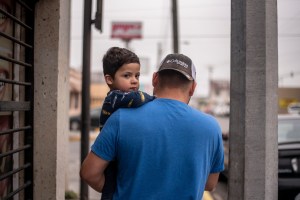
{"points": [[16, 99]]}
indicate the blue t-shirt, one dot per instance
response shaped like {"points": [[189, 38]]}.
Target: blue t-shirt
{"points": [[164, 150]]}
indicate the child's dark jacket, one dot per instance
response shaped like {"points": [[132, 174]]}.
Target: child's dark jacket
{"points": [[116, 99]]}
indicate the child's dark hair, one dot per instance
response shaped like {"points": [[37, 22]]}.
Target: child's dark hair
{"points": [[115, 57]]}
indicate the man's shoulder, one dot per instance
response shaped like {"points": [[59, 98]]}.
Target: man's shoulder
{"points": [[205, 117]]}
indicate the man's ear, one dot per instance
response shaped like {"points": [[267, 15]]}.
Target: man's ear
{"points": [[108, 79], [192, 88], [154, 79]]}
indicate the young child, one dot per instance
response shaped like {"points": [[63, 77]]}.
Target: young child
{"points": [[121, 69]]}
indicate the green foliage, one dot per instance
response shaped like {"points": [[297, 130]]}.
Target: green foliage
{"points": [[69, 194]]}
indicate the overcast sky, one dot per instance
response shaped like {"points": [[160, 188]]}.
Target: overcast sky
{"points": [[204, 34]]}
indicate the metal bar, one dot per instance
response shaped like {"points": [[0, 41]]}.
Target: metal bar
{"points": [[29, 74], [15, 61], [175, 26], [8, 153], [99, 15], [15, 82], [14, 106], [15, 19], [25, 5], [14, 130], [28, 183], [85, 107], [4, 176], [15, 40]]}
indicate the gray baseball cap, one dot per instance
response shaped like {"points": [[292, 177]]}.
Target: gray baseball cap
{"points": [[180, 63]]}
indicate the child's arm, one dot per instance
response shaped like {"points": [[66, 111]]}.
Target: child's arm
{"points": [[131, 99], [118, 99]]}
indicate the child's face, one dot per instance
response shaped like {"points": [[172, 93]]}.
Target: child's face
{"points": [[127, 78]]}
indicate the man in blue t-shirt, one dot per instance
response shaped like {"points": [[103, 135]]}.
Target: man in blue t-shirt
{"points": [[164, 149]]}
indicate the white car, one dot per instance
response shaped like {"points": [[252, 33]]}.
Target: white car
{"points": [[294, 108]]}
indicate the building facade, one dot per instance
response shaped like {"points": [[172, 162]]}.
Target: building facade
{"points": [[98, 91], [34, 98], [287, 96]]}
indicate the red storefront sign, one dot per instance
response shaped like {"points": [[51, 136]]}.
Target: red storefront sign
{"points": [[126, 30]]}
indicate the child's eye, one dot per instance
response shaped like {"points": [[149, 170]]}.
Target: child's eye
{"points": [[126, 75], [137, 76]]}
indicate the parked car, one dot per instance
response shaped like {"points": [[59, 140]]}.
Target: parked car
{"points": [[294, 108], [75, 121], [288, 153]]}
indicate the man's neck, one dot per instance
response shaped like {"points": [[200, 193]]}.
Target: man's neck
{"points": [[173, 94]]}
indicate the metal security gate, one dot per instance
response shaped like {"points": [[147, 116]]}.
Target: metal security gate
{"points": [[16, 99]]}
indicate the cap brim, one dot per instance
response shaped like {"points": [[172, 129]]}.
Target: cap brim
{"points": [[182, 72]]}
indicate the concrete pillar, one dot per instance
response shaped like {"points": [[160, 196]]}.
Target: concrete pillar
{"points": [[51, 91], [253, 114]]}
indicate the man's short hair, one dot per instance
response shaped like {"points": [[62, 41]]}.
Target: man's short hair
{"points": [[173, 79], [116, 57]]}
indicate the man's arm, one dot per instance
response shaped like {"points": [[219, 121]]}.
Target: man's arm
{"points": [[92, 171], [212, 181]]}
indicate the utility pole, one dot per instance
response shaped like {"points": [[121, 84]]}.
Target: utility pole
{"points": [[85, 106], [175, 26], [86, 79], [159, 53], [210, 73]]}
